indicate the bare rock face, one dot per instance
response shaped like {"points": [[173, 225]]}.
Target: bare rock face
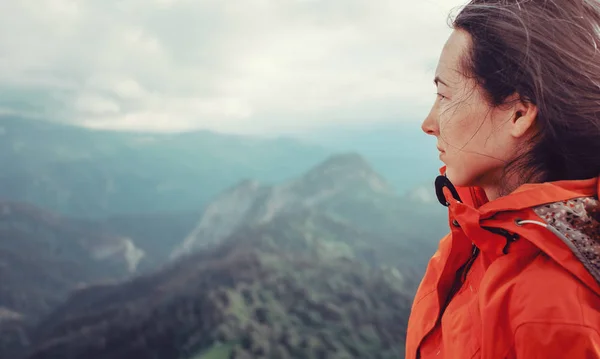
{"points": [[120, 250], [222, 216]]}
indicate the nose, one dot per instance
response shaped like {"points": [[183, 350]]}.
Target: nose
{"points": [[429, 125]]}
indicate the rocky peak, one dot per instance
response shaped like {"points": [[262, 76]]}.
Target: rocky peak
{"points": [[345, 170]]}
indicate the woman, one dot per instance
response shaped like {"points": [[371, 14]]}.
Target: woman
{"points": [[517, 122]]}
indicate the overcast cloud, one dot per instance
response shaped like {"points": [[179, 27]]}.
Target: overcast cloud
{"points": [[266, 66]]}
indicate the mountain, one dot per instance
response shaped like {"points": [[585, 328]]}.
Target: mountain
{"points": [[92, 173], [270, 291], [323, 265], [43, 257], [97, 174], [344, 187], [399, 151]]}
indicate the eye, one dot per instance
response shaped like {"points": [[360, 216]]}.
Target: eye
{"points": [[441, 97]]}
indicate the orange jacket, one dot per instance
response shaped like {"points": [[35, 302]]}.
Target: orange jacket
{"points": [[517, 277]]}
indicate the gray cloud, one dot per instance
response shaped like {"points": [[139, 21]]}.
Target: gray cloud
{"points": [[228, 65]]}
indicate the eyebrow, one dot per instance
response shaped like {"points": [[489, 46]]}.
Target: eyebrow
{"points": [[438, 79]]}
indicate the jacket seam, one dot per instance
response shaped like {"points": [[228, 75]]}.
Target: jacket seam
{"points": [[569, 324], [477, 352], [425, 296], [579, 289]]}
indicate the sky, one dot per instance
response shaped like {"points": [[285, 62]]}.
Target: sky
{"points": [[237, 66]]}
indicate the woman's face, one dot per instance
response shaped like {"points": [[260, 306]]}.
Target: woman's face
{"points": [[475, 140]]}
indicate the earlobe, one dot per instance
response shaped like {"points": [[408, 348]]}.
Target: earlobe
{"points": [[524, 119]]}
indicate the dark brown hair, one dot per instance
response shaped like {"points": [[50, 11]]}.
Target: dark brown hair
{"points": [[547, 52]]}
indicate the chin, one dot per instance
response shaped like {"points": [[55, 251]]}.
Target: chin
{"points": [[459, 178]]}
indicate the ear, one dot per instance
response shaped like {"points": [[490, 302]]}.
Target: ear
{"points": [[524, 117]]}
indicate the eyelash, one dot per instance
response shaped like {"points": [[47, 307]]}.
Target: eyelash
{"points": [[440, 95]]}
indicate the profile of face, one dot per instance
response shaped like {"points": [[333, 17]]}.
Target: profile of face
{"points": [[475, 139]]}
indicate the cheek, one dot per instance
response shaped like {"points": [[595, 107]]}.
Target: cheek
{"points": [[467, 128], [467, 165], [455, 128]]}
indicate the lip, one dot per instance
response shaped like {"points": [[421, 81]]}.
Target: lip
{"points": [[439, 149]]}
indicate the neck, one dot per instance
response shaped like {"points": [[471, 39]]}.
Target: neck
{"points": [[493, 192], [500, 185], [503, 187]]}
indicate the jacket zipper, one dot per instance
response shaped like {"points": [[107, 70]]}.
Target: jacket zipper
{"points": [[463, 271], [461, 276]]}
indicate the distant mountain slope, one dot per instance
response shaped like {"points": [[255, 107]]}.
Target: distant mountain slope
{"points": [[344, 187], [87, 173], [155, 233], [272, 291], [323, 265], [320, 235], [13, 333], [44, 256]]}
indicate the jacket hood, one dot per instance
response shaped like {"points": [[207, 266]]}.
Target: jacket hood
{"points": [[569, 210], [577, 223]]}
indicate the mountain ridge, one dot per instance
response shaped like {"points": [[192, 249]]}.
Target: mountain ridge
{"points": [[95, 174], [324, 263], [337, 184]]}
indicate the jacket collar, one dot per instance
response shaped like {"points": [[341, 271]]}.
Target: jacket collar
{"points": [[567, 211], [525, 197]]}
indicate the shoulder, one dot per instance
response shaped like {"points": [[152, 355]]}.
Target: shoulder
{"points": [[531, 305], [539, 290]]}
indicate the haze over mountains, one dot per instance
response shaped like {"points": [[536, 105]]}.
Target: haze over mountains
{"points": [[203, 246], [87, 173]]}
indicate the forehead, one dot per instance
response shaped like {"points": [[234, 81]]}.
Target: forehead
{"points": [[457, 45]]}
